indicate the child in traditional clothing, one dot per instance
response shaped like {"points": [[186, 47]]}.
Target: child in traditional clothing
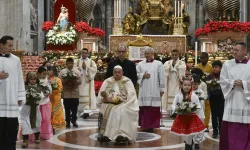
{"points": [[187, 123], [199, 137], [45, 105], [57, 114], [30, 113]]}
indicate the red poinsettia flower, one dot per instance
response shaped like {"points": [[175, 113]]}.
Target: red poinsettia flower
{"points": [[97, 32], [48, 25], [82, 27], [215, 26]]}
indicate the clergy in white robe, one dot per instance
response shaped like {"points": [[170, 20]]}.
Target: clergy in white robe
{"points": [[174, 70], [151, 80], [119, 108], [88, 69], [235, 85], [12, 93]]}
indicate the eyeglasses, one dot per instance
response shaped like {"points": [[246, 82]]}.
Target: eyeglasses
{"points": [[174, 55]]}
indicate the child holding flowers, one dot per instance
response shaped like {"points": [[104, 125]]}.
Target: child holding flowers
{"points": [[45, 105], [57, 114], [187, 123], [30, 113]]}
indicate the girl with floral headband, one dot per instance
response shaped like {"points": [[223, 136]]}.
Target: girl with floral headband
{"points": [[187, 123], [30, 113]]}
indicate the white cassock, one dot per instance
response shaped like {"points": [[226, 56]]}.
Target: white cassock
{"points": [[120, 119], [173, 76], [237, 99], [149, 91], [87, 100]]}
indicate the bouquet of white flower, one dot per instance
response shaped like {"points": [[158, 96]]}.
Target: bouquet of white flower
{"points": [[185, 108], [33, 93], [70, 75]]}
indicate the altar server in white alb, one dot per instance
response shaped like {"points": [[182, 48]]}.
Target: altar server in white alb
{"points": [[175, 69], [235, 85], [151, 80], [88, 69], [119, 109], [12, 93]]}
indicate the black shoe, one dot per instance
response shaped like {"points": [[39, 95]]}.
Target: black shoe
{"points": [[75, 124], [120, 140], [67, 125], [215, 135], [196, 146], [85, 115], [207, 130], [188, 147], [150, 130]]}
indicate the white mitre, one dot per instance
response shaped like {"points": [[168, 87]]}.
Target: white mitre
{"points": [[118, 67]]}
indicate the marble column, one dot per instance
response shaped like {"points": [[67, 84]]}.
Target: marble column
{"points": [[15, 21], [193, 20], [47, 10], [108, 20], [41, 16], [201, 14], [243, 10]]}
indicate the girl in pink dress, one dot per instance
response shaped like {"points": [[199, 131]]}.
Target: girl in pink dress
{"points": [[45, 106]]}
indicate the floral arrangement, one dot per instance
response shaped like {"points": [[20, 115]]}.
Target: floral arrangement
{"points": [[53, 84], [215, 26], [33, 93], [64, 38], [82, 27], [97, 32], [45, 88], [70, 75], [199, 94], [48, 25], [212, 83], [185, 108]]}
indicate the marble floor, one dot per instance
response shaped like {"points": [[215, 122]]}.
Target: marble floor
{"points": [[84, 137]]}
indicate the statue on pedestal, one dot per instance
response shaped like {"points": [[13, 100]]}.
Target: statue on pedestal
{"points": [[63, 19], [130, 22]]}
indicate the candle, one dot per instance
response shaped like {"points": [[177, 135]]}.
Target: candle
{"points": [[175, 9], [181, 8], [81, 46], [196, 53], [178, 8]]}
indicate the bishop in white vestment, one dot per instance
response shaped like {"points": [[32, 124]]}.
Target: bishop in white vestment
{"points": [[175, 69], [119, 108], [88, 69], [235, 85], [151, 80]]}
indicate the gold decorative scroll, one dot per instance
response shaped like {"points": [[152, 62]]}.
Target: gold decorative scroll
{"points": [[140, 42], [161, 43]]}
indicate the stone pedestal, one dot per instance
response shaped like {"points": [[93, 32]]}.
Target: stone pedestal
{"points": [[89, 42]]}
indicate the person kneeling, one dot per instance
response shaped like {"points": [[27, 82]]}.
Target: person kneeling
{"points": [[118, 118]]}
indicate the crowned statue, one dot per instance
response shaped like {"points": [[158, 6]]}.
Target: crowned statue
{"points": [[63, 19]]}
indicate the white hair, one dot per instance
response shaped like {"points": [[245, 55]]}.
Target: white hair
{"points": [[117, 67], [149, 50]]}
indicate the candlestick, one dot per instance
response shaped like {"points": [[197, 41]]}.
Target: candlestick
{"points": [[181, 9], [196, 53]]}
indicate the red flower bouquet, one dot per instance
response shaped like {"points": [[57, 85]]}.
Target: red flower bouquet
{"points": [[48, 25], [82, 27], [97, 32], [215, 26]]}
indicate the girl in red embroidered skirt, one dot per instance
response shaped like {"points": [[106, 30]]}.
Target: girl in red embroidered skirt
{"points": [[187, 123]]}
